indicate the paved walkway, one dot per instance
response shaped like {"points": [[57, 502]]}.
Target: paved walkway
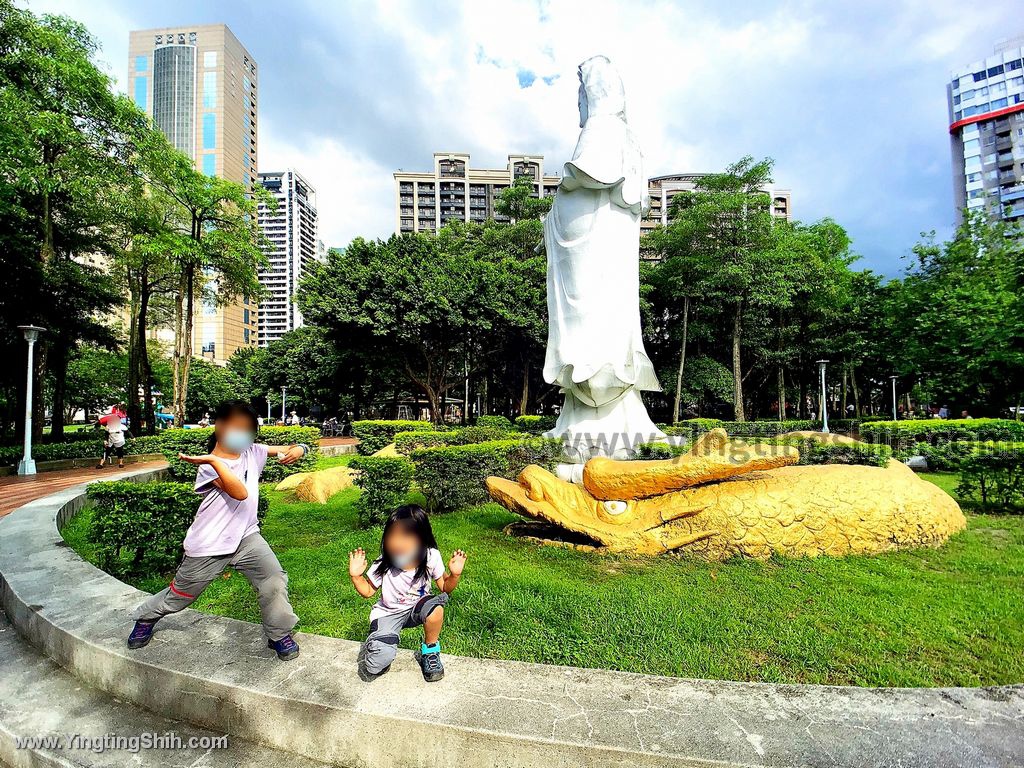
{"points": [[338, 441], [15, 490]]}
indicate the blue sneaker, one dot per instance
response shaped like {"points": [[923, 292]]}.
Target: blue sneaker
{"points": [[286, 648], [430, 662], [141, 634]]}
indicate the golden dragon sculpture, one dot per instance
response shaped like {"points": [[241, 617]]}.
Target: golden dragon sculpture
{"points": [[724, 498]]}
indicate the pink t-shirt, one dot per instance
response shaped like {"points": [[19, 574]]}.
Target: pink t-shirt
{"points": [[222, 522], [400, 590]]}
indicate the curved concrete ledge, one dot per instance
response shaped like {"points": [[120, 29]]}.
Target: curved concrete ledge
{"points": [[217, 673]]}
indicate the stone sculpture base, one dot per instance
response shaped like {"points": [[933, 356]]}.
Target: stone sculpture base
{"points": [[614, 430]]}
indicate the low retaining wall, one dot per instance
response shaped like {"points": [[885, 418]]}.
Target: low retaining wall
{"points": [[81, 463], [218, 673]]}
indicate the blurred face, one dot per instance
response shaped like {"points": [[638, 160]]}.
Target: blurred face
{"points": [[114, 421], [403, 546], [235, 432]]}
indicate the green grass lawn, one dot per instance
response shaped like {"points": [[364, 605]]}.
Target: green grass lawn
{"points": [[952, 616]]}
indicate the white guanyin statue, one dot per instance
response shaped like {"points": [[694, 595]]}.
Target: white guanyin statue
{"points": [[595, 352]]}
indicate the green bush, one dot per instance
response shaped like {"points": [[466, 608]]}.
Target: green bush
{"points": [[385, 482], [407, 442], [901, 435], [994, 480], [138, 528], [814, 452], [453, 476], [535, 425], [500, 423], [374, 435], [947, 457], [193, 441], [659, 451], [79, 448]]}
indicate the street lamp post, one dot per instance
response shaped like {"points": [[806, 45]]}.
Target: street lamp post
{"points": [[893, 380], [284, 413], [824, 400], [27, 466], [269, 416]]}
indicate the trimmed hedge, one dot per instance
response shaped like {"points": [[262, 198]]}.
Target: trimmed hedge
{"points": [[384, 481], [376, 434], [948, 457], [79, 448], [660, 451], [695, 427], [138, 528], [811, 451], [407, 442], [535, 425], [501, 423], [901, 435], [994, 480], [193, 441], [453, 476]]}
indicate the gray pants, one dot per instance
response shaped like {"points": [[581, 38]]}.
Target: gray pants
{"points": [[382, 643], [255, 560]]}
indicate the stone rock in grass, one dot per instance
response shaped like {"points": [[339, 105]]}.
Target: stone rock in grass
{"points": [[389, 451], [290, 482], [917, 463], [320, 486]]}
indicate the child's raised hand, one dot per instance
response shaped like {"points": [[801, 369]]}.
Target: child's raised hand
{"points": [[356, 562], [457, 562]]}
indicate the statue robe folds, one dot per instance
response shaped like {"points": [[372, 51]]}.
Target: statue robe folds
{"points": [[595, 351]]}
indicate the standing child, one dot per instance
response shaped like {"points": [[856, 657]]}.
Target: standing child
{"points": [[408, 562], [226, 533]]}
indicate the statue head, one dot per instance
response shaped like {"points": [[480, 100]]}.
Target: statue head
{"points": [[601, 91]]}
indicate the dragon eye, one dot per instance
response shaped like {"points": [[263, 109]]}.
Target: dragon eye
{"points": [[614, 507]]}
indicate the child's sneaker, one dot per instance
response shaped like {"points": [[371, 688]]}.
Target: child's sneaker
{"points": [[430, 662], [141, 634], [286, 648]]}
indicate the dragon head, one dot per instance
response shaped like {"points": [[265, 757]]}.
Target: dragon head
{"points": [[640, 506]]}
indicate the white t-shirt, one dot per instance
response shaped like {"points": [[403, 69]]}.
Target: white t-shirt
{"points": [[115, 434], [401, 590]]}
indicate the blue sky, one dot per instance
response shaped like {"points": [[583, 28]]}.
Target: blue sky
{"points": [[847, 97]]}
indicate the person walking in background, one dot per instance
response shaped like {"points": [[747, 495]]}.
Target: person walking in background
{"points": [[944, 412], [115, 434]]}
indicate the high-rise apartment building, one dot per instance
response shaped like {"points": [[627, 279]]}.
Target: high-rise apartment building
{"points": [[294, 246], [198, 83], [663, 188], [986, 116], [424, 202]]}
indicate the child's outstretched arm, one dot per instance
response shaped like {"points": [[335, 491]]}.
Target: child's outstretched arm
{"points": [[288, 454], [357, 570], [449, 581], [226, 480]]}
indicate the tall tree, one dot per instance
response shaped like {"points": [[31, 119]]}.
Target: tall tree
{"points": [[727, 226], [217, 250]]}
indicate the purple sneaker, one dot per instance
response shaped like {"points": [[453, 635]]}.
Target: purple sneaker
{"points": [[286, 648], [141, 634]]}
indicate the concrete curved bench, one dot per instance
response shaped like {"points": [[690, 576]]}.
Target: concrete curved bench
{"points": [[217, 673]]}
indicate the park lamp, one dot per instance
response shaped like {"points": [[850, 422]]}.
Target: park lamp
{"points": [[895, 417], [824, 401], [27, 465]]}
